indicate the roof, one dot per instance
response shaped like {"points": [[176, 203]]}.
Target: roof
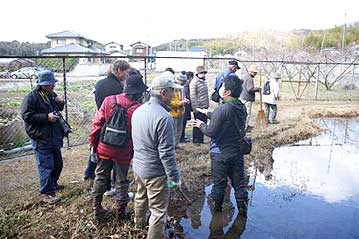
{"points": [[66, 34], [113, 43], [16, 62], [73, 48], [140, 43]]}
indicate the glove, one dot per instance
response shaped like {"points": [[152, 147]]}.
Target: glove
{"points": [[174, 184]]}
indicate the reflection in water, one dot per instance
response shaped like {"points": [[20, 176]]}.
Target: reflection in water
{"points": [[310, 190]]}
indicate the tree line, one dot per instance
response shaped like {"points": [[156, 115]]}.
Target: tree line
{"points": [[15, 48]]}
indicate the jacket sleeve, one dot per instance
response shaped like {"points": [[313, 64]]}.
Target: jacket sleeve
{"points": [[166, 147], [97, 123], [215, 125], [29, 111], [193, 94], [250, 86]]}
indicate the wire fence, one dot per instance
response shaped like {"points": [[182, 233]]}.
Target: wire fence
{"points": [[78, 75]]}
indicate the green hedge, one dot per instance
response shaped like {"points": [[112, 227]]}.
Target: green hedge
{"points": [[55, 64]]}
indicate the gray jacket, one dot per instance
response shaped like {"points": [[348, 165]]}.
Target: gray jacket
{"points": [[249, 90], [153, 141], [199, 94]]}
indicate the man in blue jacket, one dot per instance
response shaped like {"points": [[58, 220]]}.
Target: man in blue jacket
{"points": [[232, 68], [40, 110], [226, 129]]}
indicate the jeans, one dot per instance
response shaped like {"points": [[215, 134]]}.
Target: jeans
{"points": [[49, 163], [103, 173], [232, 168], [198, 136], [152, 194], [90, 173], [267, 108]]}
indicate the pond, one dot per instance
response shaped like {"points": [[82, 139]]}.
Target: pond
{"points": [[312, 192]]}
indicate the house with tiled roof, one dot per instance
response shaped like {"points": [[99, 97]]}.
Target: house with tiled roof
{"points": [[71, 43]]}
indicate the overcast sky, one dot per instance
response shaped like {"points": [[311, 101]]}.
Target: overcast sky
{"points": [[159, 21]]}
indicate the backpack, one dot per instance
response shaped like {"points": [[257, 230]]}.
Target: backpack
{"points": [[114, 132], [266, 88]]}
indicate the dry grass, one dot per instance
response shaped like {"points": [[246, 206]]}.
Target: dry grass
{"points": [[23, 214]]}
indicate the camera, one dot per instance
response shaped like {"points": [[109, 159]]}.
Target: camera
{"points": [[65, 126]]}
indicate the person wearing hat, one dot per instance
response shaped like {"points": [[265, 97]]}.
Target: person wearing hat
{"points": [[232, 68], [39, 110], [119, 158], [271, 100], [199, 100], [177, 106], [248, 93], [154, 161]]}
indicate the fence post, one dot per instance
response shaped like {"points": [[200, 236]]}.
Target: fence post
{"points": [[317, 83], [65, 95], [146, 70]]}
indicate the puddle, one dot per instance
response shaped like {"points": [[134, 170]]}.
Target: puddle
{"points": [[313, 192]]}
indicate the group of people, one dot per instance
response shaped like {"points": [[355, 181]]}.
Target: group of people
{"points": [[156, 125]]}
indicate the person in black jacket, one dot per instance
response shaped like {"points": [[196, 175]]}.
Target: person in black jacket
{"points": [[39, 111], [113, 84], [226, 129]]}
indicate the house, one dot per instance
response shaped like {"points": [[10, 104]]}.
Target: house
{"points": [[112, 47], [69, 43], [140, 49]]}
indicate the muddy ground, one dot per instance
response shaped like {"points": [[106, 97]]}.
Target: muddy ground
{"points": [[24, 214]]}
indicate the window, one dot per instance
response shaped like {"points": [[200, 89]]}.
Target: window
{"points": [[61, 42], [140, 50]]}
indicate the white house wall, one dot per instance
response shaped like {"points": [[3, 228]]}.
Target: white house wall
{"points": [[179, 64]]}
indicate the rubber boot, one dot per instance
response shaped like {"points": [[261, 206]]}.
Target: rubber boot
{"points": [[242, 206], [99, 211], [121, 211]]}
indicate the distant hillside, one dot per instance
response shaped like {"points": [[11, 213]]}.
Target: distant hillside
{"points": [[304, 39], [15, 48]]}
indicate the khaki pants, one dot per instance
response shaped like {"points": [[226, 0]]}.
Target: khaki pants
{"points": [[152, 194], [248, 105]]}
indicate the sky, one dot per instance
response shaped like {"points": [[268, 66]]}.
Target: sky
{"points": [[160, 21]]}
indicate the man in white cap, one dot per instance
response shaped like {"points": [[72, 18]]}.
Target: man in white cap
{"points": [[154, 160], [271, 97], [248, 94]]}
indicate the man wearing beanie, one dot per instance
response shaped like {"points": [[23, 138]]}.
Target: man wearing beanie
{"points": [[154, 160]]}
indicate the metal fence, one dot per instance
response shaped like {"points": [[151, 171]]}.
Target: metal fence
{"points": [[77, 76]]}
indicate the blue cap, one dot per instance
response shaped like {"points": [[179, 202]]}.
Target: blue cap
{"points": [[46, 78]]}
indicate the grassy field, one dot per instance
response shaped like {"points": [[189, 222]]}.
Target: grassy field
{"points": [[24, 214]]}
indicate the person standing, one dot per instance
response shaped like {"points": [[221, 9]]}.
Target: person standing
{"points": [[119, 158], [154, 160], [226, 129], [177, 106], [40, 111], [271, 100], [232, 69], [188, 107], [199, 99], [248, 93], [113, 84]]}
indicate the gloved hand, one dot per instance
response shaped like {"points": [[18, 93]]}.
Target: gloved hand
{"points": [[174, 184]]}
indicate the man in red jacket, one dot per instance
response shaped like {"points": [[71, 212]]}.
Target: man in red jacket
{"points": [[121, 157]]}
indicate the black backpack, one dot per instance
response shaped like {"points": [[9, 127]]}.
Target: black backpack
{"points": [[266, 88], [114, 132]]}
